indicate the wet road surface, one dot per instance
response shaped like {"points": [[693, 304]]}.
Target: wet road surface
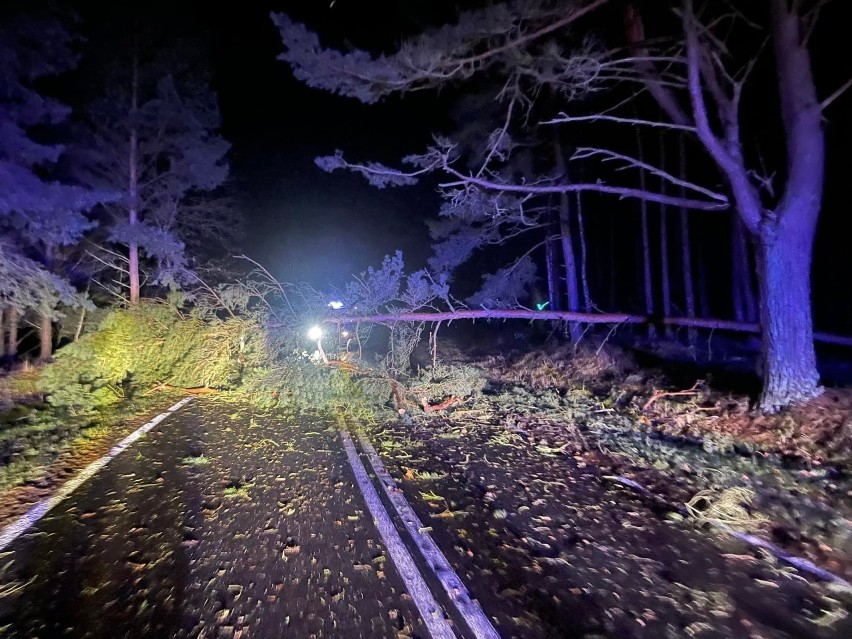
{"points": [[227, 522], [219, 523]]}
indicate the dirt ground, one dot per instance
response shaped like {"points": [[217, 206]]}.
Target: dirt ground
{"points": [[559, 551]]}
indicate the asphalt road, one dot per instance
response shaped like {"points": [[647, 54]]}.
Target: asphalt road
{"points": [[224, 522], [218, 523]]}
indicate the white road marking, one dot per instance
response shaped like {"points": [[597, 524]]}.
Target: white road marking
{"points": [[14, 530], [456, 590], [429, 609]]}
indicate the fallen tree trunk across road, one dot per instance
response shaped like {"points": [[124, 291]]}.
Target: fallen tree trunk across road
{"points": [[567, 316]]}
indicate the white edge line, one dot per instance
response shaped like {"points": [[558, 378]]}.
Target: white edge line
{"points": [[429, 609], [14, 530], [456, 590]]}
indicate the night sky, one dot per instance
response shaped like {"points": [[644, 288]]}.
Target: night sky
{"points": [[304, 224]]}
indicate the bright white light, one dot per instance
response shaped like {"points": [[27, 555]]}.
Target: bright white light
{"points": [[345, 334], [335, 305], [315, 332]]}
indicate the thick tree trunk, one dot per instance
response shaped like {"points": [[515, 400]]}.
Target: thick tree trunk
{"points": [[45, 337], [12, 333], [790, 372], [785, 239], [572, 290]]}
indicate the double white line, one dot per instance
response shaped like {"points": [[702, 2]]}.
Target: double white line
{"points": [[479, 624]]}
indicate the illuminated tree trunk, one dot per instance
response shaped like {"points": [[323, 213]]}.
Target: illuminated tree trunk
{"points": [[12, 344], [790, 370], [785, 238], [571, 289], [46, 337]]}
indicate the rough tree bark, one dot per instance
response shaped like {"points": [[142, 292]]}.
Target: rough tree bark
{"points": [[785, 236]]}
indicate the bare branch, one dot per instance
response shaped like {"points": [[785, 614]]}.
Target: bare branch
{"points": [[495, 145], [583, 153], [635, 30], [837, 93], [703, 205], [564, 118]]}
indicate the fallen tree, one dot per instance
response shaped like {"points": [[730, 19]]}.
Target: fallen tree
{"points": [[567, 316]]}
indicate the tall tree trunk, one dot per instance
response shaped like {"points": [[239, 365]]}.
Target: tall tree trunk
{"points": [[783, 234], [665, 275], [790, 370], [686, 248], [785, 240], [647, 278], [12, 332], [45, 337], [552, 276], [584, 259], [133, 183], [571, 289]]}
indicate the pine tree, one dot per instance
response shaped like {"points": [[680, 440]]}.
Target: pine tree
{"points": [[153, 135], [37, 214]]}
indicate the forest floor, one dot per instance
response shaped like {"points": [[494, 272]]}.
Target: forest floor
{"points": [[227, 521]]}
